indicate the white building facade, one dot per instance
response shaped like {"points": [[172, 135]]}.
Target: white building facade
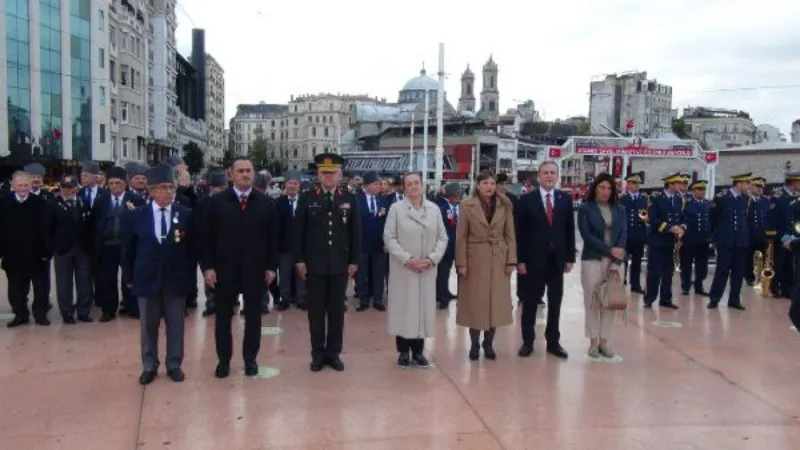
{"points": [[161, 64], [215, 109], [716, 128], [768, 133], [617, 100], [796, 131]]}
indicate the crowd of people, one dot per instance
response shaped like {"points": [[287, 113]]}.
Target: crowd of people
{"points": [[130, 243]]}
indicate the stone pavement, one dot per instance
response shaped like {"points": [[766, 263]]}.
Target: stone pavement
{"points": [[698, 379]]}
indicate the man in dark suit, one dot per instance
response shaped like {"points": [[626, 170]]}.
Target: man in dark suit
{"points": [[240, 255], [326, 243], [449, 204], [293, 288], [779, 221], [546, 251], [757, 225], [696, 222], [635, 204], [372, 265], [110, 211], [23, 249], [41, 282], [156, 252], [92, 194], [664, 231], [731, 240], [67, 236], [218, 182], [261, 184]]}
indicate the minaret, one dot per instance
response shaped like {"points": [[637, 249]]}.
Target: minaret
{"points": [[467, 100], [490, 96]]}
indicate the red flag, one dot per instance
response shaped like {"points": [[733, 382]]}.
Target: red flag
{"points": [[629, 124], [711, 157], [555, 152], [56, 134]]}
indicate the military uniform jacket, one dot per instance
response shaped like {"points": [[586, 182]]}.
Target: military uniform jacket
{"points": [[327, 233], [664, 213], [637, 228], [758, 217], [729, 220], [696, 220], [779, 217]]}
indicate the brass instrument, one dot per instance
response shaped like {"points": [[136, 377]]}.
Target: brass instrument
{"points": [[796, 228], [643, 215], [758, 263], [767, 272], [676, 254]]}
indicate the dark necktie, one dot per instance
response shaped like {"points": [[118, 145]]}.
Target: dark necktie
{"points": [[549, 210], [116, 204], [163, 224], [372, 208], [243, 202], [328, 197], [291, 206]]}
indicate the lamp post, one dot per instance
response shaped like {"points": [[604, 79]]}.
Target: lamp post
{"points": [[425, 141], [411, 145]]}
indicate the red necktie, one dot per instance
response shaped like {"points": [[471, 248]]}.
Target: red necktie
{"points": [[243, 201], [548, 210]]}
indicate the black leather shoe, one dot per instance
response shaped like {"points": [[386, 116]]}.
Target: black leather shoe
{"points": [[222, 370], [283, 306], [685, 292], [488, 351], [525, 350], [42, 321], [176, 375], [442, 305], [17, 321], [302, 306], [421, 361], [250, 370], [558, 351], [403, 361], [701, 293], [147, 377], [713, 304], [316, 365], [668, 305], [736, 306], [362, 307], [264, 310], [69, 320], [85, 319], [107, 318], [208, 312], [336, 364], [379, 306], [637, 290], [474, 352]]}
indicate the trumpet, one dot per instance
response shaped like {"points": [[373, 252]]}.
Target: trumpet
{"points": [[767, 272], [643, 215]]}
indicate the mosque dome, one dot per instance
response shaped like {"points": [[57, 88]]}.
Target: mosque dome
{"points": [[414, 89]]}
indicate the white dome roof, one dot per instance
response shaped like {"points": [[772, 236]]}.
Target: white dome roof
{"points": [[421, 83]]}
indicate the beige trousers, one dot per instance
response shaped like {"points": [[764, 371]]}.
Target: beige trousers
{"points": [[598, 319]]}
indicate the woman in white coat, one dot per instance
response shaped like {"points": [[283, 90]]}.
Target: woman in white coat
{"points": [[416, 240]]}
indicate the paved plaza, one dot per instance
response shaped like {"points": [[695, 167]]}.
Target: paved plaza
{"points": [[688, 379]]}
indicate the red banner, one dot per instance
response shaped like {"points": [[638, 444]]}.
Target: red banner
{"points": [[555, 152], [676, 151], [711, 157]]}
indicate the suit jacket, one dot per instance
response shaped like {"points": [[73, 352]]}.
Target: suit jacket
{"points": [[23, 247], [663, 213], [65, 227], [150, 264], [450, 220], [592, 227], [636, 227], [286, 215], [372, 224], [327, 236], [696, 221], [535, 236], [101, 211], [240, 245], [729, 220]]}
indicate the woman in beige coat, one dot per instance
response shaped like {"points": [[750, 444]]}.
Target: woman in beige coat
{"points": [[416, 240], [486, 254]]}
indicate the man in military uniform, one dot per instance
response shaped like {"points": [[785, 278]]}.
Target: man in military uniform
{"points": [[732, 241], [757, 211], [635, 203], [42, 283], [779, 225], [326, 243], [664, 230], [695, 221]]}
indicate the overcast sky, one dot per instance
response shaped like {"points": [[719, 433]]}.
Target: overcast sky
{"points": [[546, 51]]}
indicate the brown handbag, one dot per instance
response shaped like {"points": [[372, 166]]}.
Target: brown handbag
{"points": [[613, 295]]}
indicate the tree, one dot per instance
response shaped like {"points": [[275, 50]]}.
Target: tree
{"points": [[679, 128], [193, 157], [259, 153], [583, 128], [227, 159]]}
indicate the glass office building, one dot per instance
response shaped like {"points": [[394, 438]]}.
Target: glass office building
{"points": [[50, 62], [80, 16], [18, 74]]}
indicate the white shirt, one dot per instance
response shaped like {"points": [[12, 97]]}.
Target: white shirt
{"points": [[240, 193], [21, 199], [117, 198], [544, 194], [372, 202], [157, 219], [292, 202]]}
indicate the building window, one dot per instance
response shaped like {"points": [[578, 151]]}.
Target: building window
{"points": [[125, 148], [272, 135], [295, 120], [314, 151], [272, 123], [123, 112], [123, 74], [330, 119], [101, 55], [314, 131], [491, 106], [309, 106], [102, 95], [294, 153], [102, 133], [326, 131], [101, 22], [317, 119], [112, 70]]}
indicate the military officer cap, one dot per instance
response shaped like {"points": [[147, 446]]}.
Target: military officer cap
{"points": [[742, 177], [35, 169], [329, 162], [685, 177], [174, 160], [117, 172], [793, 176], [674, 178], [452, 190], [217, 179], [68, 182], [129, 166], [699, 184], [160, 174], [90, 167], [502, 178], [260, 181], [634, 178], [370, 177], [758, 181], [291, 175]]}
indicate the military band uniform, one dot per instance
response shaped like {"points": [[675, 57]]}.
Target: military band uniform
{"points": [[327, 239], [696, 221], [780, 225], [664, 213], [634, 203], [757, 217], [732, 241]]}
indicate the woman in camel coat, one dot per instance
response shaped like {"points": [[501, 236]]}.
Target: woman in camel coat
{"points": [[486, 255]]}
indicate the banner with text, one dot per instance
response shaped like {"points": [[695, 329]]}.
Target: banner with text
{"points": [[657, 148]]}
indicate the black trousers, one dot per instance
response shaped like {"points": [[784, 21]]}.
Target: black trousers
{"points": [[794, 309], [635, 252], [371, 277], [325, 294], [783, 283], [19, 286], [443, 278], [191, 292], [660, 266], [226, 298], [405, 345], [551, 278], [108, 286], [694, 255]]}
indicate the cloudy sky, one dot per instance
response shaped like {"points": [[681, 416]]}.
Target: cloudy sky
{"points": [[546, 51]]}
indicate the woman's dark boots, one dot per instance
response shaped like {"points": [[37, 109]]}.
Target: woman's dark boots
{"points": [[488, 350]]}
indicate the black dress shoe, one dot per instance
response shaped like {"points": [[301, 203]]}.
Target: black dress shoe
{"points": [[176, 375], [488, 351], [250, 370], [283, 306], [713, 304], [208, 312], [637, 290], [316, 365], [685, 292], [85, 319], [147, 377], [107, 318], [474, 352], [403, 361], [17, 321], [42, 321], [336, 363], [421, 361], [701, 293], [379, 306], [558, 351], [302, 306], [362, 307], [442, 305], [264, 310], [525, 350], [737, 306], [222, 370], [668, 305], [69, 320], [451, 296]]}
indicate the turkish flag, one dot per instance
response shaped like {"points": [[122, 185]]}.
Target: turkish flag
{"points": [[629, 124], [555, 152], [711, 157], [56, 134]]}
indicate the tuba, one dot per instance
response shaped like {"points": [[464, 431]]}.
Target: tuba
{"points": [[676, 254], [643, 215], [758, 264], [767, 273]]}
